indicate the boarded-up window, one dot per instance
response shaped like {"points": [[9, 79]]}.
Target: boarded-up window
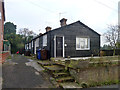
{"points": [[82, 43], [45, 40]]}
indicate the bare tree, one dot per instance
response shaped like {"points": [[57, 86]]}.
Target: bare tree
{"points": [[112, 36], [24, 32], [27, 34]]}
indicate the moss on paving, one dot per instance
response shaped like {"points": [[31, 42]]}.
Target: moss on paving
{"points": [[46, 62], [108, 82], [64, 79], [61, 73], [54, 67]]}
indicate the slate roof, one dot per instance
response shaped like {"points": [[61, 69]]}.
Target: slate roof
{"points": [[72, 24], [66, 26]]}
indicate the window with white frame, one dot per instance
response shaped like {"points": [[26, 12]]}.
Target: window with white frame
{"points": [[32, 44], [0, 16], [25, 46], [29, 45], [45, 40], [37, 42], [82, 43]]}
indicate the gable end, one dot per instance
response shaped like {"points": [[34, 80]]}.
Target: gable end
{"points": [[88, 28]]}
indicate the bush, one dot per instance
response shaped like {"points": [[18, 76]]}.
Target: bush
{"points": [[102, 53], [84, 85]]}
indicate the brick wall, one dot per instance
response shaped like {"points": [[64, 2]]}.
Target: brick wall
{"points": [[1, 29], [4, 56]]}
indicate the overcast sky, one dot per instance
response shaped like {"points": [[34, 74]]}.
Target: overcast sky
{"points": [[37, 14]]}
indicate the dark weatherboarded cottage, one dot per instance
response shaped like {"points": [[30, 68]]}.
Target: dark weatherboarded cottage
{"points": [[74, 40]]}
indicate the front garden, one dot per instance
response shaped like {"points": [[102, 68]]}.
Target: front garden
{"points": [[92, 71]]}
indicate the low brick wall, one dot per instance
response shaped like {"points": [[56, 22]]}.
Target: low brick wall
{"points": [[4, 56], [96, 74]]}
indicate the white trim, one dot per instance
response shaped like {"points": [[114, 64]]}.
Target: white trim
{"points": [[89, 43], [32, 44], [35, 47], [45, 40], [0, 16], [84, 48], [27, 47], [37, 42], [63, 46], [55, 46]]}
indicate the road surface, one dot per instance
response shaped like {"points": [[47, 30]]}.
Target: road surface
{"points": [[16, 74]]}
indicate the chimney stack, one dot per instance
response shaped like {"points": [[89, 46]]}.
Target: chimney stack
{"points": [[40, 34], [48, 29], [63, 22]]}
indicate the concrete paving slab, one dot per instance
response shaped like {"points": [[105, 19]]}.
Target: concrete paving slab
{"points": [[54, 68], [70, 85], [46, 62], [35, 65]]}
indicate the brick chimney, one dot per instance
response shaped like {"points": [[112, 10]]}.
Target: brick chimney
{"points": [[63, 22], [48, 29], [40, 34]]}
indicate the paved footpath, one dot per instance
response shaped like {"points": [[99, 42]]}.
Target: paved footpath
{"points": [[17, 75]]}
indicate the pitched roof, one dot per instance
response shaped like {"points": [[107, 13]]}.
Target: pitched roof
{"points": [[89, 28], [67, 26], [72, 24]]}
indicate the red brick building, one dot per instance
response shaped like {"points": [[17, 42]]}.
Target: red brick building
{"points": [[2, 19]]}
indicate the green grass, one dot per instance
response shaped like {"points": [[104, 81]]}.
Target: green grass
{"points": [[100, 61], [109, 82], [105, 58], [94, 62], [64, 78], [95, 84]]}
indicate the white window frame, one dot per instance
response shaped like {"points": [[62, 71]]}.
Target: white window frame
{"points": [[37, 42], [32, 44], [29, 45], [25, 46], [0, 15], [45, 40], [79, 42], [35, 47]]}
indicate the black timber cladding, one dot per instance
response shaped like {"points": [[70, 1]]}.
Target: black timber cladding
{"points": [[70, 32]]}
